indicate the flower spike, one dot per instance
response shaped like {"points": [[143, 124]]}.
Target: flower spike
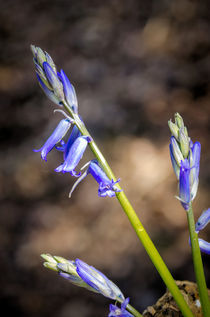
{"points": [[57, 135], [185, 158], [55, 85], [81, 274]]}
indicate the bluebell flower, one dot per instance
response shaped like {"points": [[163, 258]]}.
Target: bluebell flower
{"points": [[106, 186], [57, 135], [69, 91], [81, 274], [184, 184], [74, 156], [120, 312], [97, 280]]}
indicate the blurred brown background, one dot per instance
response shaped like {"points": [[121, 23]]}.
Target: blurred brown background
{"points": [[134, 64]]}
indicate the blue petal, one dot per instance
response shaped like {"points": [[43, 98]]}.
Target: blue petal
{"points": [[184, 184], [49, 93], [69, 91], [106, 186], [73, 136], [85, 271], [55, 138], [204, 246], [74, 156], [203, 220], [97, 280], [69, 277], [195, 166], [50, 74], [173, 161]]}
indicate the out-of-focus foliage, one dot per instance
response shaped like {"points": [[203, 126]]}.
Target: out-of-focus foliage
{"points": [[133, 64]]}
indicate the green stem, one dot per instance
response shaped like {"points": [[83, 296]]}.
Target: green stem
{"points": [[198, 265], [136, 224]]}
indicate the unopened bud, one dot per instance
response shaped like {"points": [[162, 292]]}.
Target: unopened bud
{"points": [[184, 142], [178, 120], [174, 129]]}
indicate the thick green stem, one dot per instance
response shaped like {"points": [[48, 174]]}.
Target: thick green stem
{"points": [[198, 265], [137, 225]]}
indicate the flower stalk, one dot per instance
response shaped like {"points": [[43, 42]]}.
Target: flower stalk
{"points": [[58, 89], [135, 222]]}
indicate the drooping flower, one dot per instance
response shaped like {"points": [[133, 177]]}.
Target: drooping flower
{"points": [[57, 135], [74, 156], [106, 186], [81, 274], [120, 312]]}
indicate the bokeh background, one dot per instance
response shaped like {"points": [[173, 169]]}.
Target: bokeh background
{"points": [[134, 64]]}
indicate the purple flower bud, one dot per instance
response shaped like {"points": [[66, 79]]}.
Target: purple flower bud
{"points": [[55, 138], [69, 91], [204, 246], [54, 81], [74, 155], [173, 161], [195, 166], [175, 150], [97, 280], [203, 220], [184, 184], [49, 93]]}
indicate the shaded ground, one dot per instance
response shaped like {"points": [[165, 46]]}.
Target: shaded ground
{"points": [[134, 64]]}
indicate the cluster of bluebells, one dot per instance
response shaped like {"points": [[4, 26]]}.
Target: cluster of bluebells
{"points": [[185, 158], [81, 274], [202, 222], [58, 89]]}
